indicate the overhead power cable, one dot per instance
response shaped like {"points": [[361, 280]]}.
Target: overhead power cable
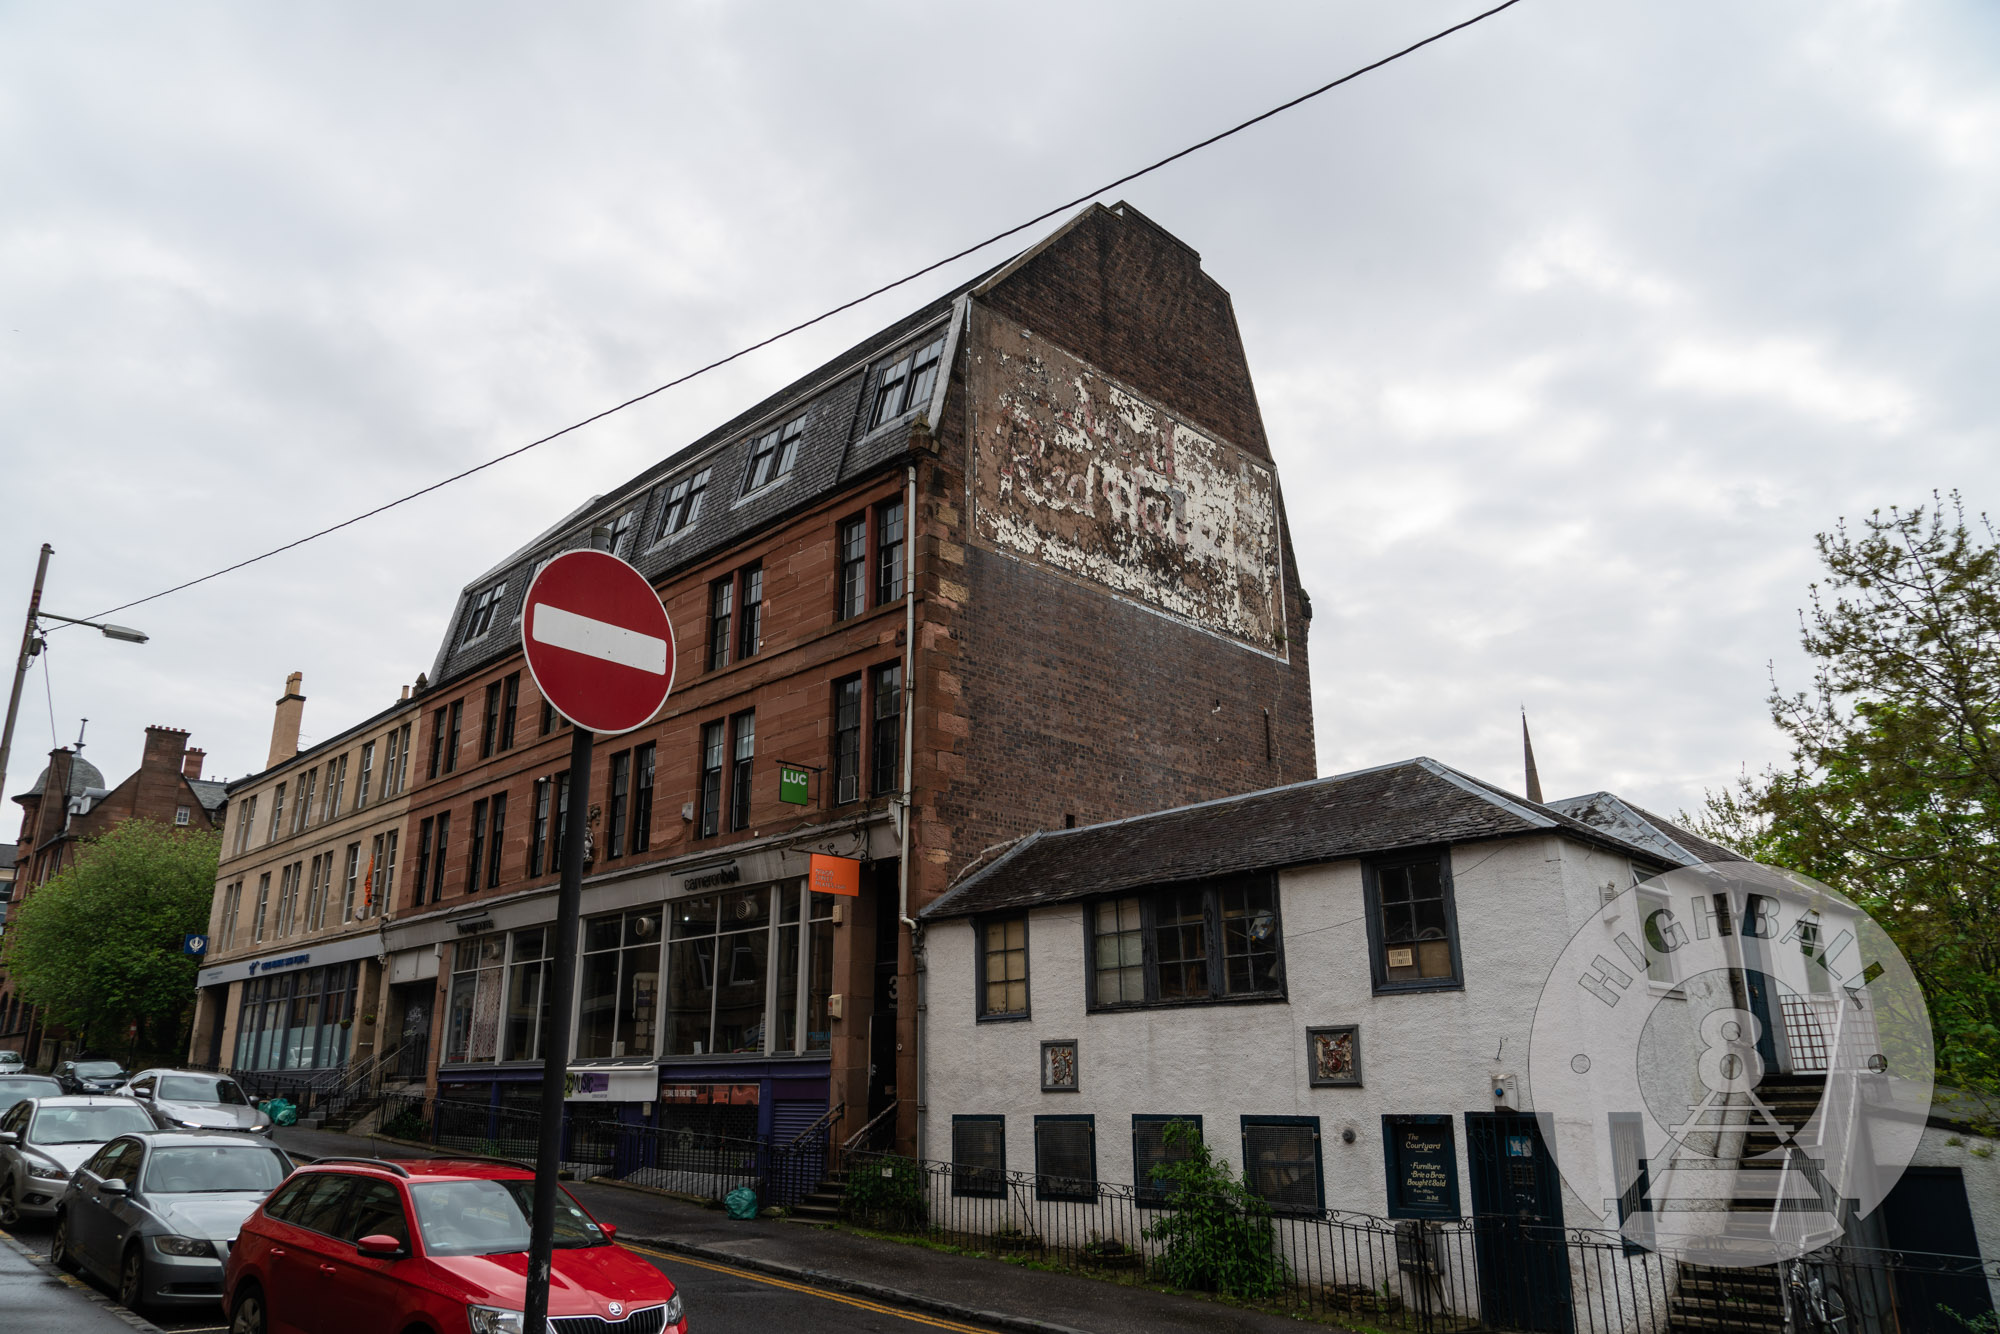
{"points": [[824, 315]]}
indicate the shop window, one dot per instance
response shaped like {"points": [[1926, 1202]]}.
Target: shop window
{"points": [[1003, 968], [1066, 1157], [618, 1009], [472, 1020], [1281, 1162], [1412, 924], [979, 1157], [296, 1020], [1153, 1149], [1194, 944], [726, 953], [528, 975]]}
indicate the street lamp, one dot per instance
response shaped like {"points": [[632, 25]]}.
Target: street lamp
{"points": [[31, 644]]}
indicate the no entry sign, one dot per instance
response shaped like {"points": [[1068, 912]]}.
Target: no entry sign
{"points": [[598, 642]]}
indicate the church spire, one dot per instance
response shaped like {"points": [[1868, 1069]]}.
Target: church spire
{"points": [[1528, 758]]}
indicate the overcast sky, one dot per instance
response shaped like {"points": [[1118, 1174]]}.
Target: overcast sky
{"points": [[1569, 331]]}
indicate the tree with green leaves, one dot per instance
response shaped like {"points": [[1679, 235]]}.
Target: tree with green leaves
{"points": [[1892, 790], [98, 947]]}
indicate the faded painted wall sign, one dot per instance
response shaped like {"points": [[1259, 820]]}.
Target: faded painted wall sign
{"points": [[1076, 473]]}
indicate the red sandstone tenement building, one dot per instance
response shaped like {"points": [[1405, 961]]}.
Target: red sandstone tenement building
{"points": [[167, 788], [1018, 560]]}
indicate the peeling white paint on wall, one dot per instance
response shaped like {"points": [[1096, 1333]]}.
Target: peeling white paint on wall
{"points": [[1075, 472]]}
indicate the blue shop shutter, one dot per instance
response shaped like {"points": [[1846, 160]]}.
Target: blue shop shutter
{"points": [[789, 1119]]}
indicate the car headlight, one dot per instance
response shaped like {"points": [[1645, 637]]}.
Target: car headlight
{"points": [[190, 1125], [262, 1128], [47, 1171], [673, 1310], [492, 1320], [184, 1246]]}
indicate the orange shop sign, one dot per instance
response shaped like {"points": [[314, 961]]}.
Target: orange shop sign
{"points": [[835, 875]]}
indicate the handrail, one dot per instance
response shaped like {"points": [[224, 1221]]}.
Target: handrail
{"points": [[847, 1145], [825, 1122]]}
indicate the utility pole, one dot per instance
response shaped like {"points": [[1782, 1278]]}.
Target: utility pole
{"points": [[28, 648]]}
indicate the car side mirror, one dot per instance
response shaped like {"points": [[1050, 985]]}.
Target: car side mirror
{"points": [[115, 1186], [610, 1232], [141, 1093], [10, 1137], [381, 1246]]}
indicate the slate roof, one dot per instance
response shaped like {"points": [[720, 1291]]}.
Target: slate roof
{"points": [[1619, 817], [1410, 804], [83, 775], [209, 793], [836, 450]]}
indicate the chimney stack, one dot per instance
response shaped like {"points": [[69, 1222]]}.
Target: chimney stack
{"points": [[191, 763], [285, 727]]}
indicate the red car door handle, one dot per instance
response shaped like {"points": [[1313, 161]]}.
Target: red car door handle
{"points": [[277, 1250], [328, 1269]]}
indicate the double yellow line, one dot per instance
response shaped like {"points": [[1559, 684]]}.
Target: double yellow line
{"points": [[935, 1322]]}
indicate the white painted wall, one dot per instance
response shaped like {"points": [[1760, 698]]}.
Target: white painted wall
{"points": [[1977, 1157]]}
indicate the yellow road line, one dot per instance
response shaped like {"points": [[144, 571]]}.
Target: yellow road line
{"points": [[936, 1322]]}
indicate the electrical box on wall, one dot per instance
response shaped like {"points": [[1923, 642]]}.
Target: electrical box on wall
{"points": [[835, 1004], [1506, 1092]]}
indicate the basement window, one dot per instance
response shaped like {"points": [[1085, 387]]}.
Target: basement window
{"points": [[979, 1157]]}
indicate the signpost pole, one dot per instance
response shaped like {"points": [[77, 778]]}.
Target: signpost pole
{"points": [[555, 1049]]}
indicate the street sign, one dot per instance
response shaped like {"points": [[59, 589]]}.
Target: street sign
{"points": [[794, 784], [598, 642], [194, 944]]}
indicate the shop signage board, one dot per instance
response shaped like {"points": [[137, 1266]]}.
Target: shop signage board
{"points": [[1423, 1166], [835, 875], [626, 1084], [794, 784], [598, 642]]}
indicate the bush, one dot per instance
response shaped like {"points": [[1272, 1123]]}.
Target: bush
{"points": [[407, 1124], [886, 1192], [1218, 1235]]}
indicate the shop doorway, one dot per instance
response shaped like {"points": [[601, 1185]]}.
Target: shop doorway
{"points": [[1517, 1224]]}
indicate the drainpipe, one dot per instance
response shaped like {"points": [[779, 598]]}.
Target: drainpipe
{"points": [[909, 923]]}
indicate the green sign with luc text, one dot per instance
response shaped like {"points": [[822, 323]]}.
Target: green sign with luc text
{"points": [[793, 784]]}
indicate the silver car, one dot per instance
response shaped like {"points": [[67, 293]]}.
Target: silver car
{"points": [[154, 1213], [190, 1100], [43, 1140]]}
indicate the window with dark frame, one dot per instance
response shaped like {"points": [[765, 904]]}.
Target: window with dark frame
{"points": [[750, 615], [742, 767], [1281, 1162], [436, 765], [479, 615], [847, 739], [620, 795], [853, 567], [979, 1157], [923, 376], [885, 766], [1412, 927], [721, 609], [496, 839], [906, 384], [709, 817], [889, 553], [559, 821], [510, 709], [538, 827], [889, 392], [475, 861], [773, 454], [621, 532], [1003, 968], [426, 840], [682, 505], [489, 723], [437, 862], [1190, 944], [1153, 1149], [1066, 1157], [642, 797], [451, 735]]}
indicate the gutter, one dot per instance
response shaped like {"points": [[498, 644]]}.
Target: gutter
{"points": [[908, 922]]}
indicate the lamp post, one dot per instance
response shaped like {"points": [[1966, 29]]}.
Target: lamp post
{"points": [[31, 644]]}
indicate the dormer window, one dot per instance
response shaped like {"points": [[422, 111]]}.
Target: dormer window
{"points": [[906, 385], [479, 617], [773, 453], [621, 531], [683, 505]]}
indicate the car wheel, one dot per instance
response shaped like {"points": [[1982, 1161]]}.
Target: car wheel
{"points": [[59, 1252], [132, 1280], [248, 1317], [10, 1205]]}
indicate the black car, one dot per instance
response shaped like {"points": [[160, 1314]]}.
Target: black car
{"points": [[86, 1077]]}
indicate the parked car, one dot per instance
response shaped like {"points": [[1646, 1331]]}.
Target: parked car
{"points": [[363, 1244], [15, 1086], [11, 1063], [43, 1140], [90, 1076], [154, 1213], [190, 1100]]}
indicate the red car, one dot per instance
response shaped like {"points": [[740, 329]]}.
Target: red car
{"points": [[334, 1250]]}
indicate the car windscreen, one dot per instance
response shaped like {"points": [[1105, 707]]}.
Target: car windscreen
{"points": [[203, 1089], [491, 1217], [12, 1090], [87, 1125], [194, 1169], [98, 1069]]}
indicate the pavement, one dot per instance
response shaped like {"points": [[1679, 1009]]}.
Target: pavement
{"points": [[828, 1265], [34, 1296]]}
